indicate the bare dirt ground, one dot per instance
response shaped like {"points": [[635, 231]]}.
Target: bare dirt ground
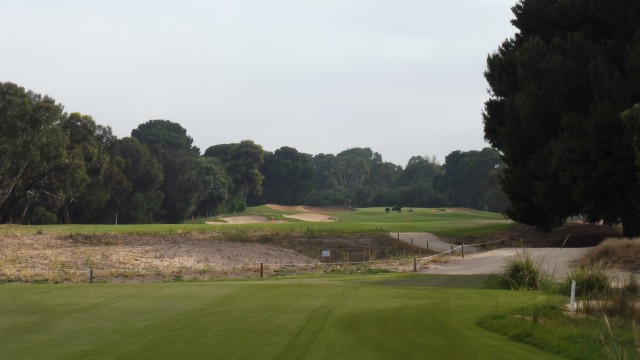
{"points": [[135, 257], [116, 258]]}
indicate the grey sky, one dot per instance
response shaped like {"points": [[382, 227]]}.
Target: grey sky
{"points": [[401, 77]]}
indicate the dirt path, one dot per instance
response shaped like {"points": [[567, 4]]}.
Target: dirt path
{"points": [[431, 242], [555, 261]]}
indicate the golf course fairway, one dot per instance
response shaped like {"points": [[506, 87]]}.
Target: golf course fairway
{"points": [[390, 316]]}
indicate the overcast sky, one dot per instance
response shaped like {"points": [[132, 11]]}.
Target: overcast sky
{"points": [[404, 78]]}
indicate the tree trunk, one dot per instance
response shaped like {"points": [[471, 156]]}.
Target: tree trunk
{"points": [[244, 196], [66, 214], [630, 227], [15, 181]]}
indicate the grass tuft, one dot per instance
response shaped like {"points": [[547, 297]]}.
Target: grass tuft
{"points": [[524, 273], [590, 281]]}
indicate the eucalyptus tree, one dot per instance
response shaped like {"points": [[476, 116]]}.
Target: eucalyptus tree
{"points": [[33, 147]]}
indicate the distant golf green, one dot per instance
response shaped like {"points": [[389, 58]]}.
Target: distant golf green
{"points": [[443, 222], [393, 316]]}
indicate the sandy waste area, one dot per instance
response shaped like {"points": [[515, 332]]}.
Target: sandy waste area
{"points": [[64, 258], [160, 257]]}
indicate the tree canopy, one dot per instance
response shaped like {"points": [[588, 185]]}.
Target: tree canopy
{"points": [[287, 176], [185, 183], [58, 167], [33, 147], [467, 175], [243, 163], [558, 88]]}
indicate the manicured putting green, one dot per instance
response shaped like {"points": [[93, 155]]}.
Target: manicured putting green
{"points": [[375, 317]]}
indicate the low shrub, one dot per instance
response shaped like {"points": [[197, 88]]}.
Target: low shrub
{"points": [[590, 281], [600, 297]]}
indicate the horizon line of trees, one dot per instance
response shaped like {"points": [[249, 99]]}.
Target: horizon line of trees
{"points": [[59, 167]]}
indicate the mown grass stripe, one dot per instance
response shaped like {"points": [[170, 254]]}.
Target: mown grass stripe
{"points": [[308, 319]]}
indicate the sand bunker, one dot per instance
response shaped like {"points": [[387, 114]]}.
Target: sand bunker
{"points": [[255, 219], [305, 209], [287, 208], [312, 217]]}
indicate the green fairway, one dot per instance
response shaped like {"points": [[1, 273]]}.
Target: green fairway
{"points": [[443, 222], [375, 317]]}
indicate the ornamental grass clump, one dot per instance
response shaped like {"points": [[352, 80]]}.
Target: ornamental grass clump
{"points": [[591, 281], [524, 273]]}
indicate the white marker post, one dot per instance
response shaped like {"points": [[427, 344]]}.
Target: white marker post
{"points": [[572, 303]]}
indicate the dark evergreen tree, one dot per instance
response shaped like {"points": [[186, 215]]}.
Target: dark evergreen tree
{"points": [[243, 163], [140, 196], [558, 88], [184, 186], [287, 176], [419, 169], [466, 175]]}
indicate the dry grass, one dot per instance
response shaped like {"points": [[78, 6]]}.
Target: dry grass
{"points": [[133, 258], [622, 253], [46, 258], [604, 281]]}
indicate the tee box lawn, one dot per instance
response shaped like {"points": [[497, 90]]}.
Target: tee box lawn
{"points": [[390, 316]]}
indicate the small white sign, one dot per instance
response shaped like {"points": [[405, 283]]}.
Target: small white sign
{"points": [[326, 253]]}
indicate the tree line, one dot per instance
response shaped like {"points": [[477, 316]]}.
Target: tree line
{"points": [[58, 167]]}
